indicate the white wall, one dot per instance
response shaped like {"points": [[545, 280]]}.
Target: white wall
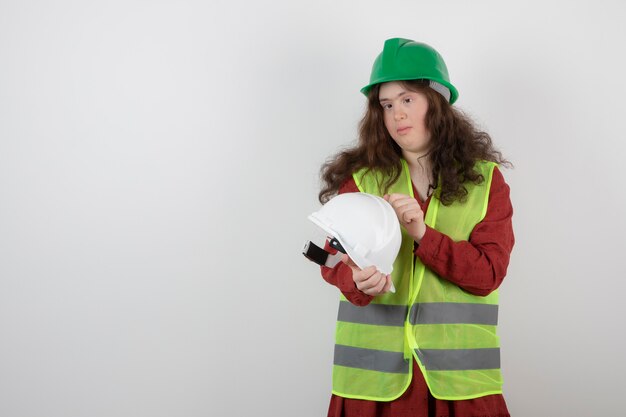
{"points": [[158, 160]]}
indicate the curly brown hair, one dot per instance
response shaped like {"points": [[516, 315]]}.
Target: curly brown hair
{"points": [[456, 145]]}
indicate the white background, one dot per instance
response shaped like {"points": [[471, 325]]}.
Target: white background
{"points": [[158, 160]]}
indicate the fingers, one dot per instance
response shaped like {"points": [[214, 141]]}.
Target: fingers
{"points": [[395, 197], [365, 278], [346, 260], [372, 282], [408, 214], [388, 283], [368, 280], [407, 208], [399, 200], [379, 288]]}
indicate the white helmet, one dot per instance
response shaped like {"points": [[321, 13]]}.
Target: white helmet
{"points": [[365, 225]]}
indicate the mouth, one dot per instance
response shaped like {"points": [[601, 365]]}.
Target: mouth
{"points": [[403, 130]]}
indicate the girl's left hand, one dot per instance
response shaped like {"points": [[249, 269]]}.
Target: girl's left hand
{"points": [[409, 214]]}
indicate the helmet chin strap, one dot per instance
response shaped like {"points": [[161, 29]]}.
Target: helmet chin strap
{"points": [[320, 256]]}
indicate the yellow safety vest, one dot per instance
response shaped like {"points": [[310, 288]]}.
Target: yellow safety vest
{"points": [[450, 332]]}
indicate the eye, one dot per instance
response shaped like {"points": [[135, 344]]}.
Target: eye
{"points": [[386, 106], [408, 100]]}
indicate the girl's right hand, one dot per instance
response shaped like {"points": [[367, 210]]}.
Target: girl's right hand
{"points": [[368, 280]]}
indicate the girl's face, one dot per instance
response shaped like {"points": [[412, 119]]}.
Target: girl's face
{"points": [[404, 113]]}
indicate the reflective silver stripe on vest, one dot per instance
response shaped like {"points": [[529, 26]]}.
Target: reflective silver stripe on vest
{"points": [[371, 359], [454, 313], [459, 359], [378, 314]]}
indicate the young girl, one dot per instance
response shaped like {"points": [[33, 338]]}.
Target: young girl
{"points": [[430, 348]]}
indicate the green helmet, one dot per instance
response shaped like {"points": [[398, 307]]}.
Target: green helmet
{"points": [[404, 59]]}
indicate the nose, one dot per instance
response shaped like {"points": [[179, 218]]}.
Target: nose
{"points": [[399, 114]]}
